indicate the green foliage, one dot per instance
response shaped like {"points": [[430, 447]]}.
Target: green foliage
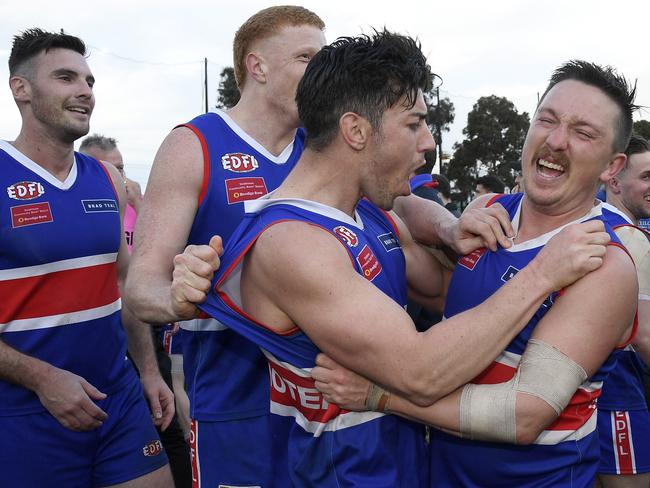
{"points": [[228, 91], [494, 137], [642, 127], [440, 115]]}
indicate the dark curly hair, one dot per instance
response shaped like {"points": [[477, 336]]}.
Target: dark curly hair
{"points": [[365, 75]]}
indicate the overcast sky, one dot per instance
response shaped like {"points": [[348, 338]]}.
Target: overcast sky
{"points": [[147, 56]]}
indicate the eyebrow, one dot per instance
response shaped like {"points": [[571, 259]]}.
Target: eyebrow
{"points": [[575, 123], [72, 73], [419, 115]]}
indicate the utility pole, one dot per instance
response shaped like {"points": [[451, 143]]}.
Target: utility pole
{"points": [[205, 81], [439, 132]]}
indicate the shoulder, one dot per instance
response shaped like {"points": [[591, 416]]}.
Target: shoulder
{"points": [[181, 138], [483, 201], [292, 244]]}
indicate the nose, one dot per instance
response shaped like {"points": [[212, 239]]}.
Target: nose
{"points": [[427, 143], [558, 138]]}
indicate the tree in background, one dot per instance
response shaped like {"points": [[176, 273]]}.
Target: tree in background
{"points": [[228, 91], [440, 115], [494, 136], [642, 127]]}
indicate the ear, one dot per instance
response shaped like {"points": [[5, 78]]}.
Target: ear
{"points": [[355, 130], [256, 67], [21, 89], [614, 185], [614, 167]]}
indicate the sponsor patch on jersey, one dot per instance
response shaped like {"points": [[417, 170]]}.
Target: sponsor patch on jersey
{"points": [[25, 190], [470, 260], [389, 241], [369, 263], [293, 390], [93, 206], [347, 235], [153, 448], [239, 162], [31, 214], [242, 189], [509, 274]]}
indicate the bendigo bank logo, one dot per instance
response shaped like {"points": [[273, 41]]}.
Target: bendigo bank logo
{"points": [[239, 162], [349, 237], [25, 190]]}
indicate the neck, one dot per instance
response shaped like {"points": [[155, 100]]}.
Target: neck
{"points": [[272, 129], [535, 221], [50, 153], [322, 178], [615, 200]]}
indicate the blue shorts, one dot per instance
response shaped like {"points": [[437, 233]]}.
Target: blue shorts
{"points": [[36, 450], [624, 441], [237, 453], [457, 462]]}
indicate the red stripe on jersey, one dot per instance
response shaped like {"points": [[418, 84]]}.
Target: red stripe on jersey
{"points": [[579, 410], [495, 373], [58, 293]]}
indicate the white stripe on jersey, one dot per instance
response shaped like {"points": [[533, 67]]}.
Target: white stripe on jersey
{"points": [[552, 437], [341, 421], [53, 267], [50, 321], [200, 325]]}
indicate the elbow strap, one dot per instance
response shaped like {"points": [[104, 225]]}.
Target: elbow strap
{"points": [[487, 412]]}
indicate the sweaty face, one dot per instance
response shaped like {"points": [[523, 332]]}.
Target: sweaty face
{"points": [[286, 56], [634, 184], [568, 148], [61, 99], [397, 150]]}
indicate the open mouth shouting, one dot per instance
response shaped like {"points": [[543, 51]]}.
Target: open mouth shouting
{"points": [[549, 168]]}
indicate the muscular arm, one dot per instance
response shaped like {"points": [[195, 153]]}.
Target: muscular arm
{"points": [[432, 224], [638, 246], [140, 345], [586, 323], [162, 229], [283, 284], [424, 273]]}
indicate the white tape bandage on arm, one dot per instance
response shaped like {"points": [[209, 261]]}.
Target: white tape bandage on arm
{"points": [[487, 412]]}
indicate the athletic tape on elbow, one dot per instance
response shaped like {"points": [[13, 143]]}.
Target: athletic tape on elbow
{"points": [[487, 412]]}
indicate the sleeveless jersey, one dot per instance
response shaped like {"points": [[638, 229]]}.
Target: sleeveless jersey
{"points": [[222, 368], [58, 273], [326, 446], [568, 450], [623, 389]]}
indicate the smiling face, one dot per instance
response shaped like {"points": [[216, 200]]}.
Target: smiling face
{"points": [[398, 150], [61, 98], [634, 185], [569, 148]]}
